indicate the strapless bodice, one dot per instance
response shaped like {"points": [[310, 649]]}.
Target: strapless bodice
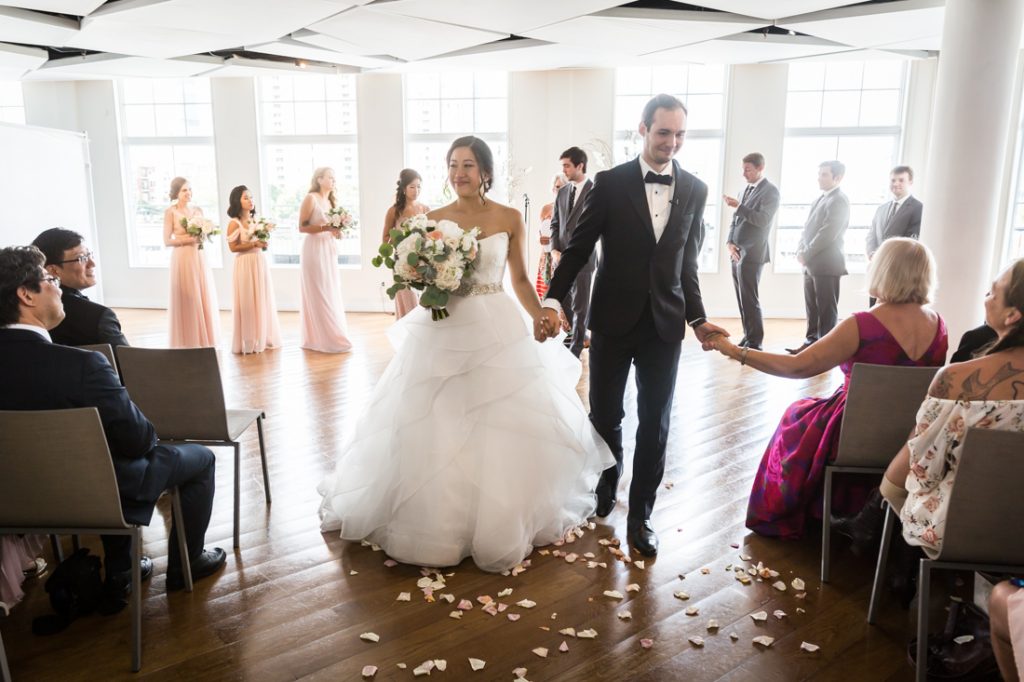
{"points": [[489, 268]]}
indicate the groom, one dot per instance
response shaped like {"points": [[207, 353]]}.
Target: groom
{"points": [[647, 214]]}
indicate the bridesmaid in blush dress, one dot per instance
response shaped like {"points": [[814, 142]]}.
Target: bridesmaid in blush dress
{"points": [[255, 311], [322, 312], [193, 310], [405, 206]]}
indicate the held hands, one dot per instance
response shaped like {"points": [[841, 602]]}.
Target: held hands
{"points": [[546, 324], [708, 334]]}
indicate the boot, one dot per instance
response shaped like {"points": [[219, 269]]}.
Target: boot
{"points": [[865, 526]]}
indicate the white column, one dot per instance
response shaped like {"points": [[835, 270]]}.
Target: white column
{"points": [[973, 100]]}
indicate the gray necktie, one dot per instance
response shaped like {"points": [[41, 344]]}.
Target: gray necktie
{"points": [[746, 194]]}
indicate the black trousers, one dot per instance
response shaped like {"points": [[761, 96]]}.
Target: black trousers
{"points": [[656, 363], [821, 299], [194, 477], [745, 279], [576, 307]]}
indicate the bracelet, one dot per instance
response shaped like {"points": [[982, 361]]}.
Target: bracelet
{"points": [[743, 355]]}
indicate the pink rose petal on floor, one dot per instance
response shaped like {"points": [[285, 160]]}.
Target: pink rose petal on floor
{"points": [[390, 563], [563, 647], [369, 671], [646, 643]]}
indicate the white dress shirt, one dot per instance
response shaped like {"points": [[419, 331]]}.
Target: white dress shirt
{"points": [[658, 196], [32, 328]]}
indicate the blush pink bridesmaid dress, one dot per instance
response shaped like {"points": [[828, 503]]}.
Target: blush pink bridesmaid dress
{"points": [[322, 311], [193, 311], [255, 310]]}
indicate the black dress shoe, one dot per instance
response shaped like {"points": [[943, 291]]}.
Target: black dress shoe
{"points": [[642, 537], [120, 584], [208, 563], [605, 504]]}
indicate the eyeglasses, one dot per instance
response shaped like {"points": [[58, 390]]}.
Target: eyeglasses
{"points": [[52, 279], [83, 259]]}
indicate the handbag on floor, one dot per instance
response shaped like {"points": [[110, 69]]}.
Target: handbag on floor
{"points": [[969, 659]]}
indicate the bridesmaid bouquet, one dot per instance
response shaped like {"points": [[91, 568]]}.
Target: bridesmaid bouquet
{"points": [[340, 219], [261, 229], [200, 228], [431, 257]]}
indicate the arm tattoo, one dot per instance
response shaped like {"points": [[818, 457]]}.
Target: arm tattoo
{"points": [[1018, 390], [973, 388], [943, 385]]}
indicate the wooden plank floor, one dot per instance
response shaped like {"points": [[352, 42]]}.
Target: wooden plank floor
{"points": [[288, 605]]}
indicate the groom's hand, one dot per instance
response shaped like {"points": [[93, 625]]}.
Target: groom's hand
{"points": [[546, 324], [706, 332]]}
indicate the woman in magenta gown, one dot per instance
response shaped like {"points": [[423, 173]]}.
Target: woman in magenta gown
{"points": [[899, 330]]}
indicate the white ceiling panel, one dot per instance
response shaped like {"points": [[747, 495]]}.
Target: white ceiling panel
{"points": [[289, 47], [123, 66], [746, 49], [24, 26], [518, 55], [873, 25], [404, 37], [16, 60], [241, 66], [862, 56], [771, 9], [501, 17], [78, 8]]}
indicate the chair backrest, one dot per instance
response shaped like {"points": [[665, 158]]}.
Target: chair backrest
{"points": [[105, 350], [881, 409], [178, 389], [986, 504], [57, 471]]}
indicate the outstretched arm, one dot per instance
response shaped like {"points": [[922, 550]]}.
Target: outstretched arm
{"points": [[836, 346]]}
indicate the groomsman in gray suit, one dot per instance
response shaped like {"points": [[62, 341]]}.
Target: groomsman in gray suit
{"points": [[900, 217], [748, 244], [564, 216], [820, 251]]}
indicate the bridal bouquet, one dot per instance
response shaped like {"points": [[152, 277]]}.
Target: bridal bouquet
{"points": [[432, 257], [340, 219], [261, 229], [200, 228]]}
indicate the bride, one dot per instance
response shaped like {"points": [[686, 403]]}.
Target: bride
{"points": [[474, 441]]}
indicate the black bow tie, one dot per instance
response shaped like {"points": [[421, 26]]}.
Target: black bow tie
{"points": [[660, 179]]}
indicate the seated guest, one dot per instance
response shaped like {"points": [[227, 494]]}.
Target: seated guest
{"points": [[1006, 616], [899, 330], [85, 322], [973, 341], [40, 375], [984, 393]]}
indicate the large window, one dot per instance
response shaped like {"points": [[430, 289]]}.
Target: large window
{"points": [[702, 90], [12, 103], [307, 122], [850, 111], [167, 131], [440, 107]]}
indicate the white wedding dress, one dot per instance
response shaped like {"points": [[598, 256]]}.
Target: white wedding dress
{"points": [[474, 441]]}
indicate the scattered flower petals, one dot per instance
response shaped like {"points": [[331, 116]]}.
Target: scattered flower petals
{"points": [[426, 581], [798, 584], [519, 672], [743, 578], [692, 611], [779, 614], [369, 671], [779, 585], [563, 647], [646, 643], [800, 595], [744, 557], [632, 587], [625, 615], [544, 552], [712, 625], [760, 616], [390, 563], [370, 637], [477, 664], [591, 525], [364, 543], [963, 639], [465, 605], [502, 608], [356, 573], [484, 599], [588, 555], [450, 598], [764, 640], [811, 648], [526, 604], [613, 594], [504, 593], [404, 596], [554, 615], [800, 610], [681, 595], [401, 666], [375, 548], [491, 609], [541, 651], [589, 633], [733, 636], [423, 669], [441, 664], [697, 641], [457, 615], [513, 617], [705, 571], [640, 564], [571, 558], [569, 632]]}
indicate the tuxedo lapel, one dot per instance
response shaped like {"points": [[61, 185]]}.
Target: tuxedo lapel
{"points": [[684, 185], [638, 195]]}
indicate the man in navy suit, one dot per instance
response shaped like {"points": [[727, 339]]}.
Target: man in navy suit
{"points": [[41, 375], [648, 215]]}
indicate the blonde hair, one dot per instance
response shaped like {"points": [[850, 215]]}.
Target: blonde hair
{"points": [[902, 271], [176, 185], [314, 185]]}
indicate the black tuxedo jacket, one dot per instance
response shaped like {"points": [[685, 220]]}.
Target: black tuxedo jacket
{"points": [[564, 221], [86, 322], [752, 223], [39, 375], [635, 269]]}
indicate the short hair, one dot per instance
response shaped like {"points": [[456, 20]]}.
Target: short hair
{"points": [[837, 168], [176, 185], [902, 271], [483, 155], [755, 159], [19, 267], [903, 169], [55, 241], [235, 202], [1013, 297], [576, 156], [660, 101]]}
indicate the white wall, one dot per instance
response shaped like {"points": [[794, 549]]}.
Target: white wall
{"points": [[550, 110]]}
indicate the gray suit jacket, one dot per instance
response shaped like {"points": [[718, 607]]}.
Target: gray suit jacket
{"points": [[906, 223], [563, 222], [821, 243], [752, 223]]}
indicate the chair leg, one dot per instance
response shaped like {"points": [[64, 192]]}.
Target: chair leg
{"points": [[136, 599], [238, 483], [263, 457], [5, 672], [58, 551], [883, 558], [923, 593], [179, 522], [826, 526]]}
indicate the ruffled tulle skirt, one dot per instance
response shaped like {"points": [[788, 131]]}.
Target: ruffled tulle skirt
{"points": [[474, 443]]}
